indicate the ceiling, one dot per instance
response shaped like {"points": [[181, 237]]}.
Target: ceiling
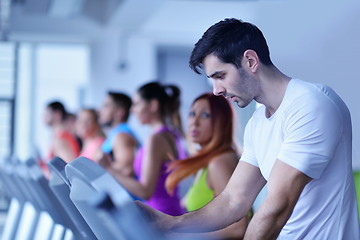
{"points": [[45, 15], [86, 19], [98, 11]]}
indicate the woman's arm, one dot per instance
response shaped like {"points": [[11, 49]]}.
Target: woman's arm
{"points": [[155, 152], [220, 170]]}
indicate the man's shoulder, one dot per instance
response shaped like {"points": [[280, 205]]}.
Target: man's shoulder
{"points": [[306, 95], [301, 90], [310, 91], [122, 127]]}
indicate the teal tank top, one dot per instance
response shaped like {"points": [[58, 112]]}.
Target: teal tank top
{"points": [[121, 128]]}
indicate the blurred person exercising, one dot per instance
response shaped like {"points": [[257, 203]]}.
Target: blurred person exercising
{"points": [[91, 134], [210, 125], [121, 143], [63, 143]]}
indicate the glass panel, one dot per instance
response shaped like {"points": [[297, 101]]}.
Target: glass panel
{"points": [[7, 55], [6, 88], [7, 51], [5, 111], [6, 64]]}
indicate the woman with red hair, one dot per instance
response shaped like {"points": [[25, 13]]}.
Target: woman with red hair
{"points": [[210, 125]]}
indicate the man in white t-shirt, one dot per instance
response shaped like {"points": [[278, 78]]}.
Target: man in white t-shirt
{"points": [[298, 142]]}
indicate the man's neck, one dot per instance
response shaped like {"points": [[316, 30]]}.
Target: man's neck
{"points": [[115, 124], [273, 86], [58, 127]]}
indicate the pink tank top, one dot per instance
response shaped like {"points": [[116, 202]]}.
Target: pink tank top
{"points": [[91, 148]]}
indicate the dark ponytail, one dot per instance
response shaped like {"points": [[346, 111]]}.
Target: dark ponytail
{"points": [[168, 97], [173, 106]]}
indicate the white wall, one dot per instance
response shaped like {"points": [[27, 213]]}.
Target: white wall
{"points": [[313, 40], [318, 41]]}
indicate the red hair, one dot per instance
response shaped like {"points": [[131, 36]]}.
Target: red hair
{"points": [[222, 119]]}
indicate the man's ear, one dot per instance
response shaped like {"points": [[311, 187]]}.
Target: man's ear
{"points": [[119, 113], [251, 60], [58, 116]]}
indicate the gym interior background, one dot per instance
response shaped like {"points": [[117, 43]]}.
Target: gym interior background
{"points": [[77, 50]]}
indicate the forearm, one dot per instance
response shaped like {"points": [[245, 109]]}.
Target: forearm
{"points": [[234, 231], [218, 214], [124, 149], [284, 189], [124, 169], [132, 185], [267, 222], [65, 153], [123, 162], [234, 202]]}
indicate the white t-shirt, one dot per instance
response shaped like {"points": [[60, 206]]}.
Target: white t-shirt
{"points": [[310, 131]]}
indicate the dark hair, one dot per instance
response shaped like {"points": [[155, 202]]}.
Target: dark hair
{"points": [[121, 100], [57, 106], [228, 40], [168, 97]]}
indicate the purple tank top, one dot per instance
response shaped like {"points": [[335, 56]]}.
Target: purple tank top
{"points": [[160, 199]]}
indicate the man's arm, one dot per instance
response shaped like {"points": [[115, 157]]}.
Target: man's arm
{"points": [[228, 207], [124, 150], [284, 188]]}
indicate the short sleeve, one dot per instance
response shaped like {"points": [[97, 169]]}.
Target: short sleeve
{"points": [[248, 154], [311, 131]]}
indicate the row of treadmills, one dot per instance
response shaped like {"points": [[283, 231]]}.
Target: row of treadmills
{"points": [[80, 201]]}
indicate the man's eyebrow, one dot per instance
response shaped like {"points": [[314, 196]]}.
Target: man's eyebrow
{"points": [[214, 74]]}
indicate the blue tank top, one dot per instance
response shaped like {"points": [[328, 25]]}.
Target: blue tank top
{"points": [[121, 128]]}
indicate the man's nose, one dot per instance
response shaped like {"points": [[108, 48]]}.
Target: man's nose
{"points": [[218, 89]]}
